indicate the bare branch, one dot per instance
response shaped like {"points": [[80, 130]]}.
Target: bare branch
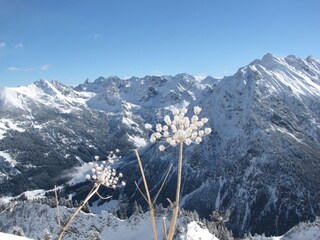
{"points": [[162, 185], [104, 198], [171, 204], [145, 198], [91, 193], [164, 229], [57, 205], [154, 229]]}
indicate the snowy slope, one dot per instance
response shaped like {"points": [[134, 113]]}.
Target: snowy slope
{"points": [[40, 218], [40, 221], [262, 159], [6, 236]]}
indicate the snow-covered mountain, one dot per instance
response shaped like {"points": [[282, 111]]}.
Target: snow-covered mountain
{"points": [[41, 222], [262, 159]]}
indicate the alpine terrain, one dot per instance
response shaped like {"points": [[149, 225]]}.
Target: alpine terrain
{"points": [[261, 160]]}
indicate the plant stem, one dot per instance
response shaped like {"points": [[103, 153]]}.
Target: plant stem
{"points": [[176, 205], [57, 205], [154, 229], [91, 193]]}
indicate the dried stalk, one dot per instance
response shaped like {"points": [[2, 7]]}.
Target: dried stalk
{"points": [[164, 180], [149, 201], [165, 236], [57, 205], [176, 205], [91, 193]]}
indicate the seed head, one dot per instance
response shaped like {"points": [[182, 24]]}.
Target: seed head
{"points": [[180, 129]]}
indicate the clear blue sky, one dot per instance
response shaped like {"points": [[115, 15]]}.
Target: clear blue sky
{"points": [[71, 40]]}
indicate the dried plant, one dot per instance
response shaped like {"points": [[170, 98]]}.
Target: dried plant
{"points": [[179, 131], [102, 175]]}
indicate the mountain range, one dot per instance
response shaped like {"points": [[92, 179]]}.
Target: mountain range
{"points": [[261, 160]]}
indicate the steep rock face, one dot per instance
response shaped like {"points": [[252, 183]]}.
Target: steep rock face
{"points": [[269, 140], [47, 130], [262, 159]]}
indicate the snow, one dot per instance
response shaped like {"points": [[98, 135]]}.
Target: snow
{"points": [[110, 206], [45, 93], [8, 124], [7, 158], [137, 141], [35, 194], [7, 236], [128, 98], [303, 231], [34, 218], [80, 174], [195, 232]]}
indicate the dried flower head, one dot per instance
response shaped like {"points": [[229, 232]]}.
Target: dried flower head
{"points": [[180, 129], [103, 173]]}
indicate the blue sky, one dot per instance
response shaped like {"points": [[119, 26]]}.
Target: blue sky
{"points": [[72, 40]]}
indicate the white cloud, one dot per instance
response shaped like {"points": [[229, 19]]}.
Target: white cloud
{"points": [[19, 45], [45, 67], [22, 69], [17, 69], [2, 44], [13, 69]]}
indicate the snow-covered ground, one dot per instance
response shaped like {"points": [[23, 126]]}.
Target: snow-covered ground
{"points": [[7, 236], [36, 219], [303, 231]]}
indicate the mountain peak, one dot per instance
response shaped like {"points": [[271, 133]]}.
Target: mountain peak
{"points": [[269, 60]]}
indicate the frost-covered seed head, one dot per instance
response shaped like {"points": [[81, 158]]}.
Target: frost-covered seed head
{"points": [[204, 120], [104, 174], [207, 130], [158, 127], [148, 126], [201, 133], [153, 138], [157, 135], [183, 110], [175, 111], [188, 141], [194, 135], [197, 110], [173, 143], [167, 120], [162, 148], [198, 140], [194, 119], [181, 129], [200, 124]]}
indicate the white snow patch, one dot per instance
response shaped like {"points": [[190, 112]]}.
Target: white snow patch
{"points": [[137, 141], [195, 232], [8, 124], [110, 206], [7, 158], [34, 194], [80, 174], [7, 236]]}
